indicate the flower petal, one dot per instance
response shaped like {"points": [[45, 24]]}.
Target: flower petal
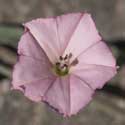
{"points": [[28, 46], [68, 97], [66, 25], [28, 70], [96, 65], [95, 75], [98, 54], [36, 90], [84, 36], [58, 95], [45, 32], [80, 94]]}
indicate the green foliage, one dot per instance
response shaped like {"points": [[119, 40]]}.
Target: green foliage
{"points": [[10, 35]]}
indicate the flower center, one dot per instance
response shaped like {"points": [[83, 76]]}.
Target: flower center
{"points": [[63, 65]]}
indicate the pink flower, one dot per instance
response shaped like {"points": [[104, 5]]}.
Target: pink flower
{"points": [[62, 61]]}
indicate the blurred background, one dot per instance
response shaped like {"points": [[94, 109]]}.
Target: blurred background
{"points": [[108, 105]]}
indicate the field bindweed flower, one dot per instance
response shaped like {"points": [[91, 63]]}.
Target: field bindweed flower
{"points": [[62, 61]]}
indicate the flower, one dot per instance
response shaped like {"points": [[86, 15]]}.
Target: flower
{"points": [[62, 61]]}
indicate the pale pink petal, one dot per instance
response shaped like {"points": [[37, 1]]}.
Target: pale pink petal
{"points": [[66, 25], [33, 64], [84, 36], [95, 75], [28, 70], [32, 74], [68, 95], [36, 90], [28, 46], [58, 96], [45, 32], [98, 54], [96, 65], [80, 94]]}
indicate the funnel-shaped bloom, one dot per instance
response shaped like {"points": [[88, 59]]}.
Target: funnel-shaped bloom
{"points": [[62, 61]]}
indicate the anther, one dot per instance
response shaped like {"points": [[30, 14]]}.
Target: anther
{"points": [[61, 58], [74, 62], [66, 57], [57, 64], [70, 55]]}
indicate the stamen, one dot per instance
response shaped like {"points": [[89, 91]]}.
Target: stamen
{"points": [[61, 58], [74, 62], [66, 57], [58, 63], [63, 65], [70, 55]]}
